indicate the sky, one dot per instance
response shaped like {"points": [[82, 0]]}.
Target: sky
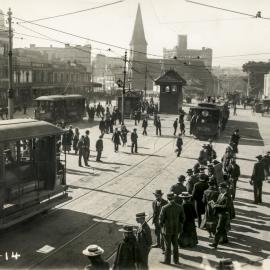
{"points": [[228, 34]]}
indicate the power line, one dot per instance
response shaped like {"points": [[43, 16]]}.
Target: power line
{"points": [[258, 15], [74, 12]]}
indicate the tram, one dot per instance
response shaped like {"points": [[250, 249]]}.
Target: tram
{"points": [[32, 175], [60, 108], [208, 119]]}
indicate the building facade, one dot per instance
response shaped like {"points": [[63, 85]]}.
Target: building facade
{"points": [[181, 51]]}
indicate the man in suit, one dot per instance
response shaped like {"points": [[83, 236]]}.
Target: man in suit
{"points": [[99, 148], [257, 179], [87, 144], [178, 188], [197, 195], [144, 240], [234, 173], [221, 209], [175, 125], [171, 220], [157, 204], [134, 141], [144, 126], [116, 138], [191, 181], [158, 126], [179, 144]]}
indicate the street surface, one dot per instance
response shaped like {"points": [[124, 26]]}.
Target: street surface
{"points": [[106, 195]]}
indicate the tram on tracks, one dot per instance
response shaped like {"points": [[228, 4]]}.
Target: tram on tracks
{"points": [[208, 119], [32, 175], [60, 108]]}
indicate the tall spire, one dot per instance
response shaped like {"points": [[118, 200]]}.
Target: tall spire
{"points": [[138, 37]]}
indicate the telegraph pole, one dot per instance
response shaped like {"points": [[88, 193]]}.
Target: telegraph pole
{"points": [[145, 81], [124, 87], [10, 68]]}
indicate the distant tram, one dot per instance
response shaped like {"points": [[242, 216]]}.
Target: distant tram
{"points": [[32, 176], [60, 108], [208, 119]]}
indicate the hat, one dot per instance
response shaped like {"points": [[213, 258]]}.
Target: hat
{"points": [[205, 146], [202, 168], [185, 194], [210, 165], [158, 192], [223, 185], [134, 129], [87, 132], [170, 196], [189, 170], [70, 126], [126, 228], [139, 215], [93, 250], [259, 157], [181, 178]]}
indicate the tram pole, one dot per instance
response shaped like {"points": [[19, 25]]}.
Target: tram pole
{"points": [[10, 68], [124, 88]]}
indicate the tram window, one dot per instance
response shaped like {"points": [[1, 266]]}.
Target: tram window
{"points": [[174, 88], [167, 89]]}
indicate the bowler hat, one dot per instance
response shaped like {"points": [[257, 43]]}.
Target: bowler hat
{"points": [[185, 194], [215, 161], [158, 192], [189, 170], [259, 157], [139, 215], [170, 196], [201, 168], [93, 250], [126, 228], [181, 178]]}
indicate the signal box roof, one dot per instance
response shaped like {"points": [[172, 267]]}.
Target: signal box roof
{"points": [[170, 77], [17, 129], [59, 97]]}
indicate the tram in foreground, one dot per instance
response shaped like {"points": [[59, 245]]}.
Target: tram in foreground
{"points": [[208, 119], [32, 176], [60, 108]]}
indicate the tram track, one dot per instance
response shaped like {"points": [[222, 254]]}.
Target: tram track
{"points": [[113, 211]]}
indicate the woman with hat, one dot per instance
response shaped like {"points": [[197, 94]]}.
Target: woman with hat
{"points": [[128, 254], [94, 252], [188, 237]]}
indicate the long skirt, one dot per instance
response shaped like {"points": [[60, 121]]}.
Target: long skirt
{"points": [[188, 237]]}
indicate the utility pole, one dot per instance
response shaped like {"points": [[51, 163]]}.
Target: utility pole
{"points": [[10, 68], [145, 81], [124, 87]]}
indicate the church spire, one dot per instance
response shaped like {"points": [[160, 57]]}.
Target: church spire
{"points": [[138, 36]]}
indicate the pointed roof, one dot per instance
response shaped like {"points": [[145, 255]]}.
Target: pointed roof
{"points": [[170, 77], [138, 36]]}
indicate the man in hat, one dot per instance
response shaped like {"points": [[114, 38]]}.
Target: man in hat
{"points": [[116, 138], [234, 141], [99, 148], [94, 252], [87, 144], [144, 240], [221, 208], [197, 195], [257, 178], [82, 151], [203, 156], [134, 141], [171, 220], [209, 195], [175, 125], [191, 181], [266, 162], [234, 173], [179, 187], [179, 144], [128, 254], [157, 204], [158, 126]]}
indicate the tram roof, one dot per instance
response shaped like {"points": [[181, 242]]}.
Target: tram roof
{"points": [[58, 97], [16, 129]]}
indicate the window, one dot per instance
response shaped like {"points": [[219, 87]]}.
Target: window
{"points": [[174, 88], [167, 89]]}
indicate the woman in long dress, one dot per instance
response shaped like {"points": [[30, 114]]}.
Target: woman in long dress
{"points": [[188, 237]]}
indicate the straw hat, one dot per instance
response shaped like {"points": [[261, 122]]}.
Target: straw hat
{"points": [[93, 250]]}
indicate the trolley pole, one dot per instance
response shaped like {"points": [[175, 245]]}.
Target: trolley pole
{"points": [[10, 68], [124, 87]]}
